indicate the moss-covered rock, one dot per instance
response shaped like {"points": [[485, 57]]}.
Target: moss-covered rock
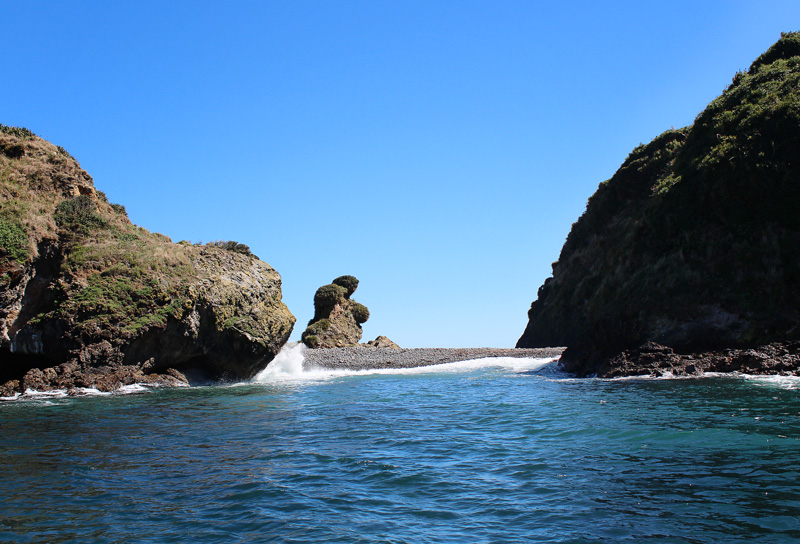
{"points": [[350, 284], [694, 243], [337, 319], [81, 285], [326, 298]]}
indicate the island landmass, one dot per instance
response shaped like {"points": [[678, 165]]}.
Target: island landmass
{"points": [[688, 259]]}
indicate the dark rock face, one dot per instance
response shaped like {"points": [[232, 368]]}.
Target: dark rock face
{"points": [[337, 319], [694, 243], [89, 300], [653, 359]]}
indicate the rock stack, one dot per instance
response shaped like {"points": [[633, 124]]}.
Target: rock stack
{"points": [[337, 318]]}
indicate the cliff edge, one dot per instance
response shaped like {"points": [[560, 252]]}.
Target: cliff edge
{"points": [[694, 244], [87, 299]]}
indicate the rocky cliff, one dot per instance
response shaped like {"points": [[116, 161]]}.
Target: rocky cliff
{"points": [[88, 299], [694, 243], [337, 319]]}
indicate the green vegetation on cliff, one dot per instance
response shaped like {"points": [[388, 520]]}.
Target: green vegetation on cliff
{"points": [[76, 274], [695, 240]]}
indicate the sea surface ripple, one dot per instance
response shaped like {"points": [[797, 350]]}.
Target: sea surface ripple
{"points": [[498, 451]]}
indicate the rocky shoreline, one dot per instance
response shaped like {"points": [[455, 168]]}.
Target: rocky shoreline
{"points": [[652, 359], [367, 358]]}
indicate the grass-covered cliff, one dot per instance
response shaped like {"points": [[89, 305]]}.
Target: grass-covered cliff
{"points": [[83, 291], [695, 241]]}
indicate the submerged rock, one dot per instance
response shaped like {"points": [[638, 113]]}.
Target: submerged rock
{"points": [[694, 243], [88, 299]]}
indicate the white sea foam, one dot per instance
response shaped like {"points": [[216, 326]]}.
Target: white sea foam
{"points": [[54, 393], [135, 388], [89, 392], [288, 366], [32, 394], [513, 364], [782, 382]]}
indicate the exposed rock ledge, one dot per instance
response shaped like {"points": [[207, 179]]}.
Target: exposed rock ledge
{"points": [[651, 359]]}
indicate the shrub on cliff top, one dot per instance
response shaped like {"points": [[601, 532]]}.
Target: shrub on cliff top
{"points": [[788, 46], [350, 283], [231, 245], [119, 209], [19, 132]]}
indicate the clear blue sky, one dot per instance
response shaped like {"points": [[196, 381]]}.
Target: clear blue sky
{"points": [[439, 151]]}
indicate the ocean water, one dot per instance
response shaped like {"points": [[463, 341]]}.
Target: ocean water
{"points": [[504, 450]]}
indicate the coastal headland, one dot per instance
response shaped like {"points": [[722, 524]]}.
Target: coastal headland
{"points": [[90, 300], [688, 258]]}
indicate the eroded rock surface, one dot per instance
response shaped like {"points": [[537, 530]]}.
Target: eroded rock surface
{"points": [[337, 318], [88, 299]]}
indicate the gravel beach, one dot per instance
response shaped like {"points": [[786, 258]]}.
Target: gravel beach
{"points": [[364, 358]]}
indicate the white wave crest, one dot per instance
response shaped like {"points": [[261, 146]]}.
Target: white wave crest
{"points": [[53, 394], [781, 382], [288, 366], [34, 395]]}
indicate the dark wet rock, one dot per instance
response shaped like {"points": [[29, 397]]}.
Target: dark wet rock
{"points": [[652, 359]]}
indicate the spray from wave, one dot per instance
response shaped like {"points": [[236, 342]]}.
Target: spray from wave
{"points": [[288, 365]]}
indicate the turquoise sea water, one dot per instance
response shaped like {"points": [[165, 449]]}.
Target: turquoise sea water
{"points": [[470, 452]]}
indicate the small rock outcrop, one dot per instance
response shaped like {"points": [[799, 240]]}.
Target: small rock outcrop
{"points": [[694, 243], [381, 342], [337, 318], [652, 359], [87, 299]]}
